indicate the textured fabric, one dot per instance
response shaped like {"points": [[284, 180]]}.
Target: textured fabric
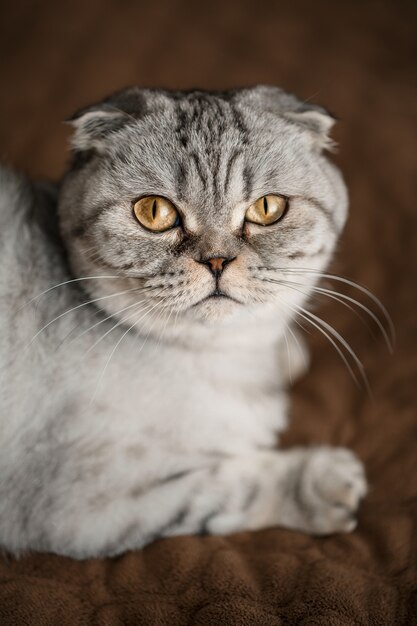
{"points": [[359, 60]]}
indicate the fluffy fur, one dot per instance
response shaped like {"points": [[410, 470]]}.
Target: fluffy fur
{"points": [[133, 404]]}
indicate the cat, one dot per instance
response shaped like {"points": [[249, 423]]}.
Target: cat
{"points": [[147, 306]]}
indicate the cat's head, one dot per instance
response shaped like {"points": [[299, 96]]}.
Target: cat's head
{"points": [[204, 206]]}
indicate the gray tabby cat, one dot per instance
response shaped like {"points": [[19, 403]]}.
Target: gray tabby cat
{"points": [[143, 335]]}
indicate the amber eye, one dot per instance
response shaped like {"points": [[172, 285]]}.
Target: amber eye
{"points": [[156, 213], [267, 210]]}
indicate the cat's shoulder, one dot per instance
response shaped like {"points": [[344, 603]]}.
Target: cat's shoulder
{"points": [[26, 205], [15, 194], [30, 245]]}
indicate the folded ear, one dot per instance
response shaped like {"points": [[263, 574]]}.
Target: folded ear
{"points": [[317, 121], [95, 124], [312, 118]]}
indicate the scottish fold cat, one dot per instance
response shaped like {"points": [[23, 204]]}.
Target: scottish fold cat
{"points": [[147, 325]]}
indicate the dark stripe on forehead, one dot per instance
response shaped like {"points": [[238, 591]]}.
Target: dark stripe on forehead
{"points": [[207, 117], [240, 123], [247, 182], [204, 112], [229, 168], [221, 115], [194, 157], [181, 128], [181, 180], [216, 170]]}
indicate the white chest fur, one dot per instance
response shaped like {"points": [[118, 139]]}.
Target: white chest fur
{"points": [[223, 395]]}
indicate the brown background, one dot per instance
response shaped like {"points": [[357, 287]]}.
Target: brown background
{"points": [[359, 60]]}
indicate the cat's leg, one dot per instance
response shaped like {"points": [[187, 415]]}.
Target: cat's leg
{"points": [[316, 490]]}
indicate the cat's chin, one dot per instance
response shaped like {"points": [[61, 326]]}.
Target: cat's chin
{"points": [[214, 309]]}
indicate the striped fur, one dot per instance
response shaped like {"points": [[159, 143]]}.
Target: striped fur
{"points": [[133, 404]]}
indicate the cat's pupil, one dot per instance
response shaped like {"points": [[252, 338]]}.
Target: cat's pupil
{"points": [[154, 209], [265, 206]]}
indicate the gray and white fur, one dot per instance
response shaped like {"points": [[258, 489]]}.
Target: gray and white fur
{"points": [[135, 403]]}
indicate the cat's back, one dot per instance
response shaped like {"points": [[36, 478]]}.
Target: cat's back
{"points": [[30, 261], [29, 252], [15, 202], [14, 194], [27, 219]]}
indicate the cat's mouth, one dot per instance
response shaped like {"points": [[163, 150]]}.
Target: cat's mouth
{"points": [[217, 294]]}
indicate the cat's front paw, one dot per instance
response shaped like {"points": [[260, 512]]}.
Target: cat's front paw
{"points": [[332, 486]]}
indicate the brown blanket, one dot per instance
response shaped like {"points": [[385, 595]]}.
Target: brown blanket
{"points": [[359, 59]]}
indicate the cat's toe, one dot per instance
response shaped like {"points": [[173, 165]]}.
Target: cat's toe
{"points": [[334, 484]]}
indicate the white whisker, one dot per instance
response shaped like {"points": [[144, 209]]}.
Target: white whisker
{"points": [[288, 357], [353, 284], [79, 306], [66, 282], [294, 336], [164, 327], [321, 325], [103, 371], [340, 297], [308, 288], [121, 321], [105, 319]]}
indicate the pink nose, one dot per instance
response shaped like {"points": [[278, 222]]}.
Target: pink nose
{"points": [[216, 264]]}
